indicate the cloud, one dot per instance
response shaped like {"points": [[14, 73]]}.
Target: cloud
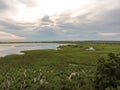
{"points": [[3, 5], [8, 36], [60, 20], [29, 3]]}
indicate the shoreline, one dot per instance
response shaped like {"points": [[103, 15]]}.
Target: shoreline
{"points": [[22, 52]]}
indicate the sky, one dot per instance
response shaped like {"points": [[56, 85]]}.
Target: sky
{"points": [[59, 20]]}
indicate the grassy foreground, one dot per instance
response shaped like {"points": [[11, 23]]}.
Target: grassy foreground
{"points": [[71, 67]]}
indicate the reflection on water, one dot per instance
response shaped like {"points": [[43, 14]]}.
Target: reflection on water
{"points": [[8, 49]]}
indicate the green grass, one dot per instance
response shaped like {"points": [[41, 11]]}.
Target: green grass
{"points": [[50, 69]]}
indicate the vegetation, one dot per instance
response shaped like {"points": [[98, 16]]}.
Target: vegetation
{"points": [[108, 73], [71, 67]]}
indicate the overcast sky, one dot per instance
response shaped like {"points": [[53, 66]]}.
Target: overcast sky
{"points": [[51, 20]]}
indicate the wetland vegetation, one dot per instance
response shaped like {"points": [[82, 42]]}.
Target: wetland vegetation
{"points": [[71, 67]]}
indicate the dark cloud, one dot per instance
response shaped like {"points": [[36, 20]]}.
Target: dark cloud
{"points": [[3, 5], [46, 20], [11, 25]]}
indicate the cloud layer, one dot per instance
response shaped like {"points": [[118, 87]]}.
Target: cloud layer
{"points": [[42, 20]]}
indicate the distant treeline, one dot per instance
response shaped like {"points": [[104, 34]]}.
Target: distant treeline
{"points": [[101, 42]]}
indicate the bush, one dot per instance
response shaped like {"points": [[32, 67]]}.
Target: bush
{"points": [[108, 72]]}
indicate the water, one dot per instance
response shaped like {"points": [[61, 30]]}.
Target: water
{"points": [[8, 49]]}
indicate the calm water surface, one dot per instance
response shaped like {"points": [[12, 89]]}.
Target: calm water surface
{"points": [[8, 49]]}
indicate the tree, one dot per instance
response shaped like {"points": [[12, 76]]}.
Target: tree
{"points": [[108, 72]]}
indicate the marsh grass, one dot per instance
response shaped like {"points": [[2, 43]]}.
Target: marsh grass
{"points": [[50, 69]]}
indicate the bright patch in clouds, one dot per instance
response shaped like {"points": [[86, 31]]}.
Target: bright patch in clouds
{"points": [[108, 34], [48, 7]]}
